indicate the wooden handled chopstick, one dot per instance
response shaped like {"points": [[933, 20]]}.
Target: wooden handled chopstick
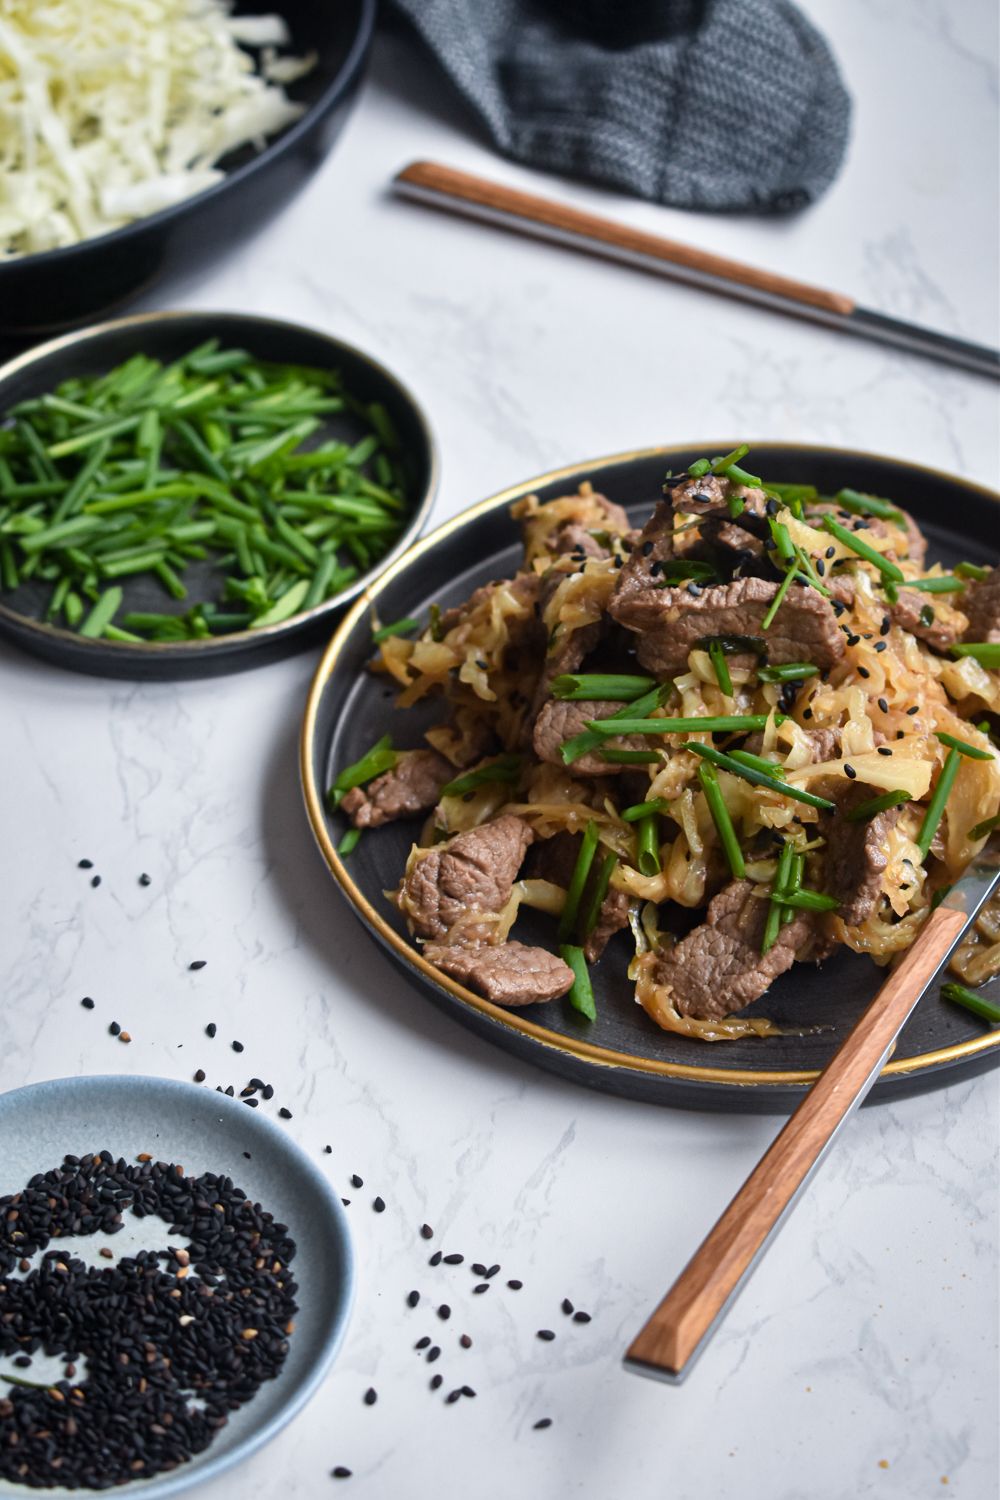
{"points": [[685, 1319], [544, 218]]}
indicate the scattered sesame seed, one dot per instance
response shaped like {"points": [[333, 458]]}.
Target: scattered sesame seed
{"points": [[426, 1232], [114, 1028], [422, 1343], [341, 1473], [433, 1353], [85, 864], [198, 963], [444, 1312], [483, 1286], [567, 1306], [454, 1259], [87, 1003], [849, 771], [378, 1204], [435, 1259], [412, 1298], [581, 1317], [542, 1423], [237, 1046], [864, 672], [465, 1341], [914, 710], [199, 1076], [883, 705], [879, 646], [284, 1114], [123, 1036], [436, 1382], [356, 1181], [452, 1397], [371, 1396], [515, 1286], [545, 1334], [95, 882], [884, 750], [145, 879], [492, 1272], [477, 1268], [327, 1150], [211, 1029], [469, 1392]]}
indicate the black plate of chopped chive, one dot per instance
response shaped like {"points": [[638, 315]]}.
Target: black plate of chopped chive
{"points": [[622, 1051], [159, 1201], [185, 494]]}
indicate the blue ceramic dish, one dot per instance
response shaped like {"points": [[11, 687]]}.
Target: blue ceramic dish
{"points": [[203, 1131]]}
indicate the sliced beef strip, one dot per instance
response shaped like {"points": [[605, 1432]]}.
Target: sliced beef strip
{"points": [[412, 786], [719, 968], [574, 534], [560, 720], [856, 855], [507, 973], [710, 495], [671, 622], [981, 603], [940, 634], [555, 859], [654, 545], [474, 871]]}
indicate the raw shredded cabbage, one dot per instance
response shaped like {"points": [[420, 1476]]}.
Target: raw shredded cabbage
{"points": [[113, 109]]}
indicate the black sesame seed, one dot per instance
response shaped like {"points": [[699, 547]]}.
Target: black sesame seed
{"points": [[852, 640], [422, 1343], [864, 672], [95, 881], [356, 1181], [230, 1091], [85, 864], [469, 1392], [412, 1298], [914, 710], [436, 1382], [477, 1268], [492, 1271], [883, 705], [545, 1334], [378, 1204], [426, 1232], [433, 1353], [435, 1259], [879, 646], [114, 1028], [807, 713], [199, 1076], [371, 1396], [237, 1046], [284, 1114], [515, 1286], [483, 1286], [346, 1202], [884, 750], [341, 1473], [465, 1341], [820, 568], [542, 1423], [567, 1306], [211, 1029], [454, 1259], [145, 879], [849, 771], [899, 734], [830, 552], [452, 1397], [884, 627], [197, 963], [581, 1317], [327, 1150], [251, 1103], [444, 1312], [267, 1092], [87, 1003]]}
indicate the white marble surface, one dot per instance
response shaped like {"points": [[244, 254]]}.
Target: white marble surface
{"points": [[862, 1358]]}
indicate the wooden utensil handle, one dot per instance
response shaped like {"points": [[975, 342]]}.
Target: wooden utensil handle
{"points": [[717, 1268], [560, 221]]}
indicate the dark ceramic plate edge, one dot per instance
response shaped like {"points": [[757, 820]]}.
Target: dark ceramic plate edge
{"points": [[763, 1091]]}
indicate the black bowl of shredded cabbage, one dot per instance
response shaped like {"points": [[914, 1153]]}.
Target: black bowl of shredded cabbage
{"points": [[44, 290]]}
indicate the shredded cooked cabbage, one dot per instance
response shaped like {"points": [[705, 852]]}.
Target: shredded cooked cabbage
{"points": [[113, 109]]}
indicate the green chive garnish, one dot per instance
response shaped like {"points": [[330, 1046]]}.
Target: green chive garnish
{"points": [[102, 613], [630, 757], [398, 627], [807, 900], [772, 926], [755, 777], [381, 757], [589, 915], [758, 762], [963, 746], [972, 571], [987, 653], [792, 671], [982, 829], [988, 1010], [677, 571], [574, 891], [720, 465], [588, 687], [943, 585], [581, 996], [873, 805], [935, 808], [723, 822], [647, 845], [784, 546], [645, 809], [722, 676], [867, 505], [571, 749], [776, 602], [721, 723], [854, 542], [348, 842], [699, 467], [504, 768]]}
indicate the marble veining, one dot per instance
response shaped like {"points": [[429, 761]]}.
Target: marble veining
{"points": [[861, 1360]]}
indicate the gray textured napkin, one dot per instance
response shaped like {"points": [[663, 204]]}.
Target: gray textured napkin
{"points": [[710, 104]]}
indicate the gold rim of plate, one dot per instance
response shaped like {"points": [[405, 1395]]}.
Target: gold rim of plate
{"points": [[587, 1052], [418, 516]]}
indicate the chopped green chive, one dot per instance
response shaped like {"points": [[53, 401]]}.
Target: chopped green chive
{"points": [[757, 778], [600, 687], [986, 653], [758, 763], [647, 845], [782, 875], [792, 671], [807, 900], [722, 677], [644, 809], [709, 723], [381, 757], [971, 751], [349, 842], [720, 465], [972, 571], [572, 749], [398, 627], [504, 768], [873, 805], [942, 585], [677, 571], [862, 549], [581, 995], [867, 505], [590, 914], [699, 467], [987, 1010], [982, 829], [102, 614], [778, 599], [630, 757], [935, 808], [574, 891], [723, 822]]}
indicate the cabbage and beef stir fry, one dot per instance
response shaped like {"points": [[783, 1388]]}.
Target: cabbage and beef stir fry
{"points": [[766, 704]]}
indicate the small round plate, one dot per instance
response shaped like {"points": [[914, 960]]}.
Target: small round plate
{"points": [[167, 336], [623, 1051], [202, 1131]]}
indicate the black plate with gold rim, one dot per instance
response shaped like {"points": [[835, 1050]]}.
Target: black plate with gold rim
{"points": [[624, 1052], [167, 336]]}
